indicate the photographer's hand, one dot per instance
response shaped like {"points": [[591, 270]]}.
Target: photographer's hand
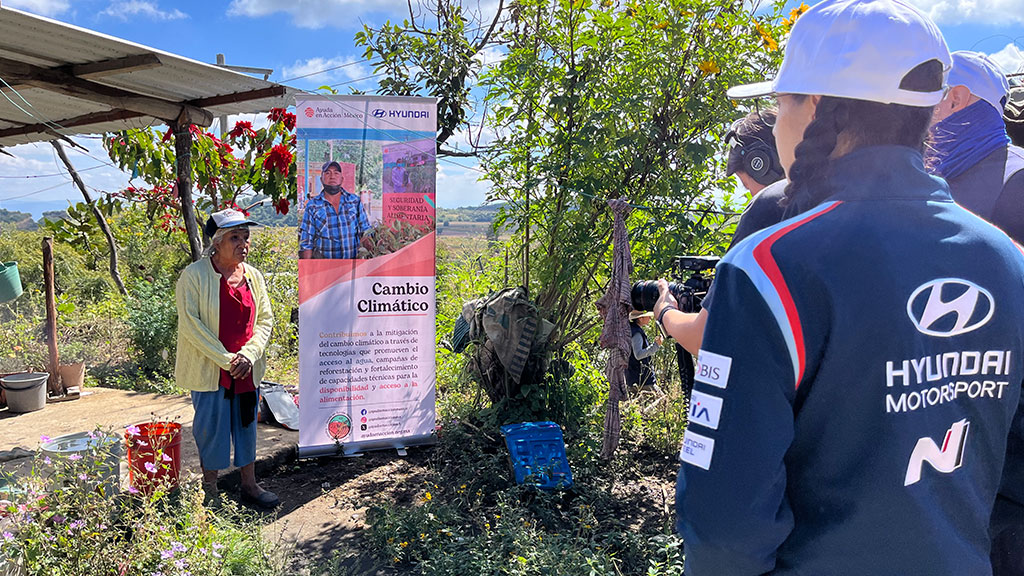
{"points": [[686, 328], [665, 299]]}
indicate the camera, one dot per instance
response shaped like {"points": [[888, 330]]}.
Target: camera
{"points": [[688, 292]]}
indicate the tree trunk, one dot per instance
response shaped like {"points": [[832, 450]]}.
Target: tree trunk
{"points": [[100, 220], [183, 155]]}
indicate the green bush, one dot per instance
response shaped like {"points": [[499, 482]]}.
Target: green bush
{"points": [[153, 321]]}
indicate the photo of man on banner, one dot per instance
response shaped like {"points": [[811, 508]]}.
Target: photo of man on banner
{"points": [[334, 221]]}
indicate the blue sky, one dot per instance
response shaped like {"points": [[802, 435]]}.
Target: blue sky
{"points": [[298, 37]]}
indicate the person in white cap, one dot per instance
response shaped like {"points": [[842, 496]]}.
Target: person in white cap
{"points": [[972, 150], [640, 371], [861, 363], [224, 325]]}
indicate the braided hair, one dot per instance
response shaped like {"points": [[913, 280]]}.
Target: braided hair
{"points": [[842, 125]]}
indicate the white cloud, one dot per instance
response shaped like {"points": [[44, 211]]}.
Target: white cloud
{"points": [[324, 71], [1001, 12], [317, 13], [42, 7], [1010, 58], [459, 186], [490, 56], [125, 9]]}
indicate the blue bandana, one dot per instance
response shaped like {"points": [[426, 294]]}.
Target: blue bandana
{"points": [[965, 138]]}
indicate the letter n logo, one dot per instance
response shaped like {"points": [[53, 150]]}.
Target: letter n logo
{"points": [[946, 460]]}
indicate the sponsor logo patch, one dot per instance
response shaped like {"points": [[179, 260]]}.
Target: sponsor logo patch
{"points": [[712, 368], [949, 307], [946, 460], [697, 449], [705, 409]]}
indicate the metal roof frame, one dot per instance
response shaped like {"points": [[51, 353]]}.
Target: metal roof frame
{"points": [[60, 80]]}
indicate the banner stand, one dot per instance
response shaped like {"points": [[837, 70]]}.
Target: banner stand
{"points": [[367, 301]]}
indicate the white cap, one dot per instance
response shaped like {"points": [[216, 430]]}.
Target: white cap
{"points": [[859, 49], [981, 75], [226, 218]]}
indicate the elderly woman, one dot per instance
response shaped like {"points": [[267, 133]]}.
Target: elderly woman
{"points": [[224, 323]]}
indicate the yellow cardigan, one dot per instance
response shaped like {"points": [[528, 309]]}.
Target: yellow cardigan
{"points": [[201, 356]]}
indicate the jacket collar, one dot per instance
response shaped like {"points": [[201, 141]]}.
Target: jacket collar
{"points": [[885, 173]]}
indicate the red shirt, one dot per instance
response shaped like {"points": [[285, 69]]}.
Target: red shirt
{"points": [[237, 318]]}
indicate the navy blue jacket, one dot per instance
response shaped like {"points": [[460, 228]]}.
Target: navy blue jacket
{"points": [[860, 368]]}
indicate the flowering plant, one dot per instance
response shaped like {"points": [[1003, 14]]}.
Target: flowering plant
{"points": [[53, 522], [244, 161]]}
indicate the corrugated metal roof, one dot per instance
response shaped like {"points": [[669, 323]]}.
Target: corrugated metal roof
{"points": [[30, 44]]}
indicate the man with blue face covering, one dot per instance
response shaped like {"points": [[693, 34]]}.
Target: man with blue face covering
{"points": [[971, 148]]}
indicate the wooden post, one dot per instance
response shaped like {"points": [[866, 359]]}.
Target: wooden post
{"points": [[51, 317], [183, 154]]}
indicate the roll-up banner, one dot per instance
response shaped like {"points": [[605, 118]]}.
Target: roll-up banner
{"points": [[366, 273]]}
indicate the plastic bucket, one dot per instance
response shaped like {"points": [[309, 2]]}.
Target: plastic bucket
{"points": [[154, 456], [10, 281], [101, 453], [25, 392]]}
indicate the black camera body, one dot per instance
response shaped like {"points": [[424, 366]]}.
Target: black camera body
{"points": [[688, 291]]}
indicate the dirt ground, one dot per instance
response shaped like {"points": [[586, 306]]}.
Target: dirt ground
{"points": [[324, 503]]}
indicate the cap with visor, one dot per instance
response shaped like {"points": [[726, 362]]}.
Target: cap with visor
{"points": [[981, 75], [227, 218], [859, 49]]}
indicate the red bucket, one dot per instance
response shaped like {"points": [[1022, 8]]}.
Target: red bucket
{"points": [[154, 455]]}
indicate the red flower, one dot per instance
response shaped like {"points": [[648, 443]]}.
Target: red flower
{"points": [[242, 127], [282, 115], [280, 157], [281, 206]]}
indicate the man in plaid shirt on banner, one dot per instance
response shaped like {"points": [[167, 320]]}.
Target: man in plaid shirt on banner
{"points": [[334, 220]]}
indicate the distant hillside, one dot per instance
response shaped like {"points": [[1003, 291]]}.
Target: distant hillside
{"points": [[17, 220], [482, 213]]}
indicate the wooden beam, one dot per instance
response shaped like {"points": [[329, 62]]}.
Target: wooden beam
{"points": [[61, 82], [114, 66], [83, 120], [275, 91]]}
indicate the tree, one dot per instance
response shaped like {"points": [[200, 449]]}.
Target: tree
{"points": [[599, 101], [440, 62], [247, 162]]}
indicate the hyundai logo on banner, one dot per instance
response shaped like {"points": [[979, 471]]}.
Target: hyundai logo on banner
{"points": [[382, 113], [949, 307]]}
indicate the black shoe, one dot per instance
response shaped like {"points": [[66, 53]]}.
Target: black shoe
{"points": [[266, 499]]}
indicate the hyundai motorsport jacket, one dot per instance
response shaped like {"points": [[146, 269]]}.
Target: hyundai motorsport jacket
{"points": [[860, 368]]}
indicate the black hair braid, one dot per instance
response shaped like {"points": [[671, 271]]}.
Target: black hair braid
{"points": [[808, 176]]}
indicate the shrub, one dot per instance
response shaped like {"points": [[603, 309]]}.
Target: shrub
{"points": [[153, 321]]}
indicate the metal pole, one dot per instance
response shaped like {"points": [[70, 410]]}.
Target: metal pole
{"points": [[222, 121]]}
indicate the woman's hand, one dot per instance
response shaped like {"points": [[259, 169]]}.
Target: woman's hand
{"points": [[665, 298], [240, 367]]}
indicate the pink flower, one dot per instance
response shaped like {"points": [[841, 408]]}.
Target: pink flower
{"points": [[133, 490], [44, 438], [133, 430], [151, 468], [165, 458], [75, 457]]}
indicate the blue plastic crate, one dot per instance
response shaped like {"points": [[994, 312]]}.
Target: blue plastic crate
{"points": [[537, 451]]}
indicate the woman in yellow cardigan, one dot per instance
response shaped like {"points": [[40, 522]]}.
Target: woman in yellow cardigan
{"points": [[224, 324]]}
